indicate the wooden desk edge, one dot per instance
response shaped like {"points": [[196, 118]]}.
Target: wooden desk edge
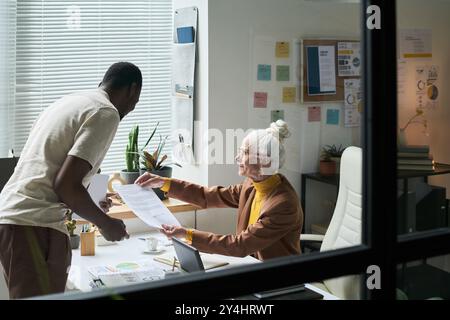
{"points": [[123, 212]]}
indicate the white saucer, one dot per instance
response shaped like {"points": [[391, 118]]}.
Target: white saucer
{"points": [[159, 250]]}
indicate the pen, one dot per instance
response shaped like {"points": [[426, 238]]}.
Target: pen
{"points": [[173, 265]]}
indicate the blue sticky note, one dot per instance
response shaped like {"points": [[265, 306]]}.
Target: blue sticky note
{"points": [[264, 72], [185, 34], [333, 116]]}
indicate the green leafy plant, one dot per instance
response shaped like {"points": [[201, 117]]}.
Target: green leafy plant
{"points": [[132, 150], [70, 223], [332, 151], [155, 161]]}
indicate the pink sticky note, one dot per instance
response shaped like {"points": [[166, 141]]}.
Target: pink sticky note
{"points": [[260, 100], [314, 114]]}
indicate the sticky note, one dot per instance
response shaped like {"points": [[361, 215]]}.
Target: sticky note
{"points": [[333, 116], [289, 94], [282, 50], [282, 73], [314, 114], [264, 72], [260, 100], [276, 115]]}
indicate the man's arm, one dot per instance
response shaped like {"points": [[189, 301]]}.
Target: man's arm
{"points": [[70, 190]]}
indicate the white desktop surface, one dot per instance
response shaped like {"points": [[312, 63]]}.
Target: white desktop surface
{"points": [[132, 250]]}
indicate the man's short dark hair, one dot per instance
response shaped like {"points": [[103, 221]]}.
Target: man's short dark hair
{"points": [[122, 74]]}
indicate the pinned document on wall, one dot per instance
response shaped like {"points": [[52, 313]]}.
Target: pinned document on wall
{"points": [[314, 114], [289, 94], [349, 59], [282, 49], [283, 73], [276, 115], [333, 116], [415, 44], [260, 100], [427, 87], [321, 70], [352, 103], [264, 72]]}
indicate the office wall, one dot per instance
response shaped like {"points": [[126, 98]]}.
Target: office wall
{"points": [[430, 15], [232, 27]]}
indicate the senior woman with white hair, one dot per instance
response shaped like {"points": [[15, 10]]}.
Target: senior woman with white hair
{"points": [[269, 215]]}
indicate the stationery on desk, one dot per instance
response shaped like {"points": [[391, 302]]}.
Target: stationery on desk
{"points": [[125, 273]]}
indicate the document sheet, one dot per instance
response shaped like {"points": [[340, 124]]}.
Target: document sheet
{"points": [[146, 205]]}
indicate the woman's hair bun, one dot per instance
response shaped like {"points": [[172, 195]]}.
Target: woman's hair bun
{"points": [[280, 129]]}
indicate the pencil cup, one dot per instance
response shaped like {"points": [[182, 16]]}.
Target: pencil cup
{"points": [[87, 240]]}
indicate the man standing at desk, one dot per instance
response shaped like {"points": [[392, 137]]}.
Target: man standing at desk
{"points": [[64, 150]]}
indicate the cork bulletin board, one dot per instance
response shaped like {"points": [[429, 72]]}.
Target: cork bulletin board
{"points": [[338, 95]]}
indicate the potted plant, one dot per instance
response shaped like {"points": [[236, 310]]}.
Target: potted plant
{"points": [[131, 173], [71, 226], [326, 166], [154, 162], [335, 155]]}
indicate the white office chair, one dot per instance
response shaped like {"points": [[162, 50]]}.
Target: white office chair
{"points": [[345, 226]]}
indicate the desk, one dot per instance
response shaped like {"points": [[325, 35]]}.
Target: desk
{"points": [[407, 219], [131, 250], [407, 223], [121, 211]]}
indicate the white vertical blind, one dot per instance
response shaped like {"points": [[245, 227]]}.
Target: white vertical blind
{"points": [[7, 72], [65, 46]]}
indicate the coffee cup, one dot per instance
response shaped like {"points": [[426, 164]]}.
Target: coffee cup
{"points": [[152, 244]]}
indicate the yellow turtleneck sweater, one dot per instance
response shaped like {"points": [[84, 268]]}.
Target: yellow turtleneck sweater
{"points": [[263, 189]]}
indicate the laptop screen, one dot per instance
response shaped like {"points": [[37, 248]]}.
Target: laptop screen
{"points": [[188, 256]]}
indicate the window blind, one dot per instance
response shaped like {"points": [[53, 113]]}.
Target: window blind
{"points": [[7, 72], [66, 46]]}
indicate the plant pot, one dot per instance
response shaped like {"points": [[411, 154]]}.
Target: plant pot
{"points": [[75, 241], [129, 177], [338, 163], [327, 168], [163, 172]]}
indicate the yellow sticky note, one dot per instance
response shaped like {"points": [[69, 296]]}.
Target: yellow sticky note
{"points": [[282, 50], [289, 94]]}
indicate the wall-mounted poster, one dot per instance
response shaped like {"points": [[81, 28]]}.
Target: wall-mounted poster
{"points": [[353, 102], [415, 44], [321, 70], [349, 59], [427, 88]]}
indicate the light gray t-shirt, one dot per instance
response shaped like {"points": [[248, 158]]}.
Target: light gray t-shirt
{"points": [[82, 124]]}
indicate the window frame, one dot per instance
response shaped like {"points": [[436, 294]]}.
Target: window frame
{"points": [[382, 246]]}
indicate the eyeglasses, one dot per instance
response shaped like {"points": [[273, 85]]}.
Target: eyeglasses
{"points": [[243, 151]]}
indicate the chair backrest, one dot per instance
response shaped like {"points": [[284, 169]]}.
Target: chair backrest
{"points": [[345, 226]]}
